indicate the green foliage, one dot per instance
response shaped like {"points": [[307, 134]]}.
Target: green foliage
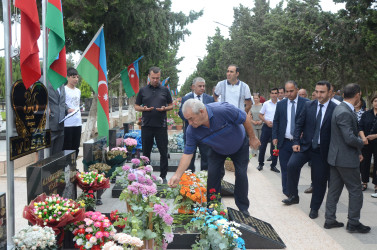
{"points": [[86, 90], [16, 74], [132, 28], [300, 42]]}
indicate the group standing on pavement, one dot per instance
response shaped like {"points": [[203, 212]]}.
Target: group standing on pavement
{"points": [[323, 131]]}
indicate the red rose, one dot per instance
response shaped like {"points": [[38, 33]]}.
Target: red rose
{"points": [[222, 213], [90, 191], [88, 236], [213, 197], [212, 190], [81, 231]]}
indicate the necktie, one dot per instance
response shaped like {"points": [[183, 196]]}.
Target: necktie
{"points": [[293, 117], [198, 96], [317, 128]]}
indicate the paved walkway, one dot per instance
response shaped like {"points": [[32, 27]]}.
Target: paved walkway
{"points": [[292, 223]]}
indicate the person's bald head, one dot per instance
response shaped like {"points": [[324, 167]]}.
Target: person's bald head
{"points": [[303, 93]]}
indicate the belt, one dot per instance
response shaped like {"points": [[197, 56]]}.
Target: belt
{"points": [[288, 139]]}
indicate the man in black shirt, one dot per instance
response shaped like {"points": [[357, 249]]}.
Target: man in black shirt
{"points": [[154, 100]]}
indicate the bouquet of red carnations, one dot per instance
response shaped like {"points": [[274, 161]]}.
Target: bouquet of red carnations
{"points": [[92, 181]]}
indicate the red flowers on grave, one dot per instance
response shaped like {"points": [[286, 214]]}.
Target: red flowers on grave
{"points": [[275, 152], [212, 190]]}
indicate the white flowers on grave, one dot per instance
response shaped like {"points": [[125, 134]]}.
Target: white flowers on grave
{"points": [[35, 237]]}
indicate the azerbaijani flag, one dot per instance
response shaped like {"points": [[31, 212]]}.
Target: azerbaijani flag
{"points": [[56, 58], [92, 68], [30, 31], [130, 78], [165, 81]]}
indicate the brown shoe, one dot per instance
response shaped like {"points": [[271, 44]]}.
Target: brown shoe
{"points": [[309, 190]]}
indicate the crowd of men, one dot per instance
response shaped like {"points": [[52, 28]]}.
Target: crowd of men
{"points": [[323, 132]]}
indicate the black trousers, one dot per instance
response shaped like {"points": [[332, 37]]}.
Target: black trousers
{"points": [[72, 137], [367, 152], [148, 134], [320, 172]]}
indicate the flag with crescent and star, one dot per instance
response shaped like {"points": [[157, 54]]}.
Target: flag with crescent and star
{"points": [[92, 68], [130, 78]]}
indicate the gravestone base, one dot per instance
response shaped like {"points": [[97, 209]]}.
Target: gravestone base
{"points": [[227, 189], [172, 165], [256, 233]]}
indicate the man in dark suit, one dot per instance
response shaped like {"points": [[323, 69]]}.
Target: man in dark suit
{"points": [[198, 87], [58, 110], [311, 142], [344, 158], [286, 115]]}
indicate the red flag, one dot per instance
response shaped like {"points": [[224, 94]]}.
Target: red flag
{"points": [[30, 32]]}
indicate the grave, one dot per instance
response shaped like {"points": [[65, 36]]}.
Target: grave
{"points": [[227, 189], [3, 222], [53, 175], [94, 151], [114, 135], [257, 234]]}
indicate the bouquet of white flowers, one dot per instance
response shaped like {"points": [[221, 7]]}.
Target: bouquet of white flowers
{"points": [[35, 238]]}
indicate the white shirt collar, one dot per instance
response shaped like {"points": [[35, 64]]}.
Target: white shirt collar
{"points": [[350, 105]]}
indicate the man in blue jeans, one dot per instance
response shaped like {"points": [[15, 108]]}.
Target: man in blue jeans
{"points": [[228, 132]]}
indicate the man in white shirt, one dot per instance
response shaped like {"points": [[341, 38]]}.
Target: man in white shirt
{"points": [[281, 94], [267, 114], [234, 91], [332, 94]]}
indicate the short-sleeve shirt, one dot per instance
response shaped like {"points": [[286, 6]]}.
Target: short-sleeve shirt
{"points": [[234, 94], [268, 110], [154, 97], [225, 134], [72, 99]]}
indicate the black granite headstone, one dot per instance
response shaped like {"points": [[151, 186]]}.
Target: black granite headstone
{"points": [[114, 134], [53, 175], [93, 150], [172, 165], [256, 233], [182, 239], [227, 188], [3, 222]]}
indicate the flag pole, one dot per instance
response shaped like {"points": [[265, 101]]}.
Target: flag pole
{"points": [[9, 122], [44, 65]]}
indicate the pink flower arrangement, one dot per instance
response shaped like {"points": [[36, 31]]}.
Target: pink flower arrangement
{"points": [[93, 232], [137, 188], [119, 149], [123, 241], [130, 143]]}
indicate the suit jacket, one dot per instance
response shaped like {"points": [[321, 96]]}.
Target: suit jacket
{"points": [[58, 108], [345, 145], [306, 125], [280, 119], [206, 99]]}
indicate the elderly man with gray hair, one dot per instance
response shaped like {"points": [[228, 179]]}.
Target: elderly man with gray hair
{"points": [[198, 93], [228, 132]]}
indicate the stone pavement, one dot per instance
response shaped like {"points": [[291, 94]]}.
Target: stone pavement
{"points": [[292, 223]]}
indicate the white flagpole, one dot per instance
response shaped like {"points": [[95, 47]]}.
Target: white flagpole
{"points": [[9, 122], [44, 66]]}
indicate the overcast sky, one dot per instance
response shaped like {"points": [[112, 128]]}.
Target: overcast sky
{"points": [[194, 46]]}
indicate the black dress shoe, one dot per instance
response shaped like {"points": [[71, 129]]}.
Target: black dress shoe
{"points": [[291, 200], [309, 190], [333, 225], [358, 229], [260, 167], [99, 203], [245, 212], [269, 159], [313, 214], [273, 168]]}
